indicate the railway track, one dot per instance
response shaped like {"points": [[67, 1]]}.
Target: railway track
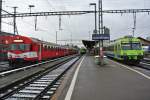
{"points": [[41, 86], [4, 66], [145, 63], [10, 69]]}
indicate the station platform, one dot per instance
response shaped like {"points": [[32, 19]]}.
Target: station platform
{"points": [[109, 82]]}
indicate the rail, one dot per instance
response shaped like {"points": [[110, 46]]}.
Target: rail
{"points": [[2, 74], [145, 63], [45, 82]]}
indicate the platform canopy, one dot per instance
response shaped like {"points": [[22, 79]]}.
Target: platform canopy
{"points": [[89, 44]]}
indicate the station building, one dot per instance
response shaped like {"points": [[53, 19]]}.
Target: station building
{"points": [[144, 42]]}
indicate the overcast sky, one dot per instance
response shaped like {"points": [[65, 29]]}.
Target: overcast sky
{"points": [[77, 27]]}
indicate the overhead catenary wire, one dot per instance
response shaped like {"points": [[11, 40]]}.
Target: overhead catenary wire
{"points": [[114, 12]]}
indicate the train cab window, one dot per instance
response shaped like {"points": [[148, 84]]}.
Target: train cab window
{"points": [[131, 46], [19, 47], [126, 46], [13, 47], [136, 46]]}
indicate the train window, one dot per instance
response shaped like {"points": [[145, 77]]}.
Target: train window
{"points": [[13, 47], [48, 47], [126, 46], [20, 47], [119, 47], [27, 46], [45, 47], [131, 46], [53, 48], [136, 46]]}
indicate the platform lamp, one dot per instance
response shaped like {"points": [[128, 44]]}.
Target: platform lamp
{"points": [[94, 4], [30, 7]]}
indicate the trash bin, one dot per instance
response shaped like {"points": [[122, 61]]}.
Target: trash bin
{"points": [[97, 59]]}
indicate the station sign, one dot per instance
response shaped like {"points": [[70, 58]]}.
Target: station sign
{"points": [[101, 37]]}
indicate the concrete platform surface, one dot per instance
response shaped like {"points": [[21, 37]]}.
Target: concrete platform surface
{"points": [[109, 82]]}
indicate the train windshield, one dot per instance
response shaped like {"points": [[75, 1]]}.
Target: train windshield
{"points": [[126, 46], [136, 46], [20, 47], [131, 46]]}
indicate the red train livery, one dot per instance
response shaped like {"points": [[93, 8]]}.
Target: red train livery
{"points": [[20, 48]]}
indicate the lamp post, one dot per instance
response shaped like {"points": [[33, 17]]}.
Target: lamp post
{"points": [[100, 29], [15, 20], [94, 4], [56, 37], [0, 15], [31, 6]]}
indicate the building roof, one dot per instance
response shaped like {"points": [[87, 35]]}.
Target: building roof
{"points": [[144, 41]]}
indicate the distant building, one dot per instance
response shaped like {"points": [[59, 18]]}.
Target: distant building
{"points": [[144, 42], [148, 38], [106, 30]]}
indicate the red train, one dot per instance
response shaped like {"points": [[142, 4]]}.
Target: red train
{"points": [[20, 48]]}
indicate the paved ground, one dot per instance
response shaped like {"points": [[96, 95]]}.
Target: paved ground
{"points": [[110, 82]]}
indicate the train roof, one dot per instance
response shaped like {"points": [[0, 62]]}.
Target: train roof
{"points": [[123, 39], [36, 40], [44, 42], [28, 38], [126, 38]]}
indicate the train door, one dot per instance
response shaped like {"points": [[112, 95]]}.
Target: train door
{"points": [[3, 52], [115, 51], [118, 51], [40, 52]]}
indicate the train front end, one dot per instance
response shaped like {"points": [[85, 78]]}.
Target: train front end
{"points": [[131, 50], [18, 49]]}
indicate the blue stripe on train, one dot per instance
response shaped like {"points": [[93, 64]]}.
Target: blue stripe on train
{"points": [[113, 55]]}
